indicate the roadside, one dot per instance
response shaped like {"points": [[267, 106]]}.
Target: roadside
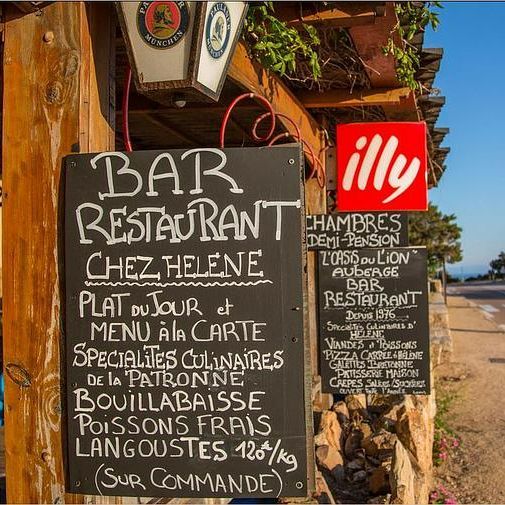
{"points": [[472, 386]]}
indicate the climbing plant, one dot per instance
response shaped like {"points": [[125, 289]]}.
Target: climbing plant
{"points": [[277, 46], [413, 17]]}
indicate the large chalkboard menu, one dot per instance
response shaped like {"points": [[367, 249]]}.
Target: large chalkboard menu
{"points": [[353, 230], [373, 314], [185, 323]]}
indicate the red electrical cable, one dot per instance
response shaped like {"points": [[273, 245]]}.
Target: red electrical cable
{"points": [[227, 114], [317, 166], [125, 107]]}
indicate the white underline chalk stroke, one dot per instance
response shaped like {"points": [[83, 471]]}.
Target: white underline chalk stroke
{"points": [[181, 283]]}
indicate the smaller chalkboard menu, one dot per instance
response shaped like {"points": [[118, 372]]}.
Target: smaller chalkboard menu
{"points": [[352, 230], [373, 315]]}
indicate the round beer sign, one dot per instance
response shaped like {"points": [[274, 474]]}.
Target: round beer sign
{"points": [[162, 24], [217, 30]]}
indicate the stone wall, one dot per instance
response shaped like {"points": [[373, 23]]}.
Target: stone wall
{"points": [[440, 335]]}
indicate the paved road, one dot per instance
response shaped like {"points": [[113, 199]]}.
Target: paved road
{"points": [[474, 378], [489, 297]]}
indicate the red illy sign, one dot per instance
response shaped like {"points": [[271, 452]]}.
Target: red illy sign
{"points": [[382, 166]]}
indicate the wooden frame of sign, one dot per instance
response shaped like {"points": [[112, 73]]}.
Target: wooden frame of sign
{"points": [[162, 90]]}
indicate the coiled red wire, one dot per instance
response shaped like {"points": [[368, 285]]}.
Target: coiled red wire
{"points": [[317, 167]]}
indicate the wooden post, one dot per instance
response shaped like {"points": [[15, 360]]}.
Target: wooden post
{"points": [[57, 100]]}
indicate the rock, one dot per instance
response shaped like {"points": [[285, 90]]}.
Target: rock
{"points": [[380, 499], [366, 429], [338, 473], [330, 426], [322, 491], [356, 404], [355, 464], [359, 476], [320, 439], [329, 442], [401, 477], [388, 418], [374, 461], [379, 404], [340, 408], [352, 443], [360, 453], [320, 401], [379, 444], [379, 480], [415, 431], [392, 413], [329, 457]]}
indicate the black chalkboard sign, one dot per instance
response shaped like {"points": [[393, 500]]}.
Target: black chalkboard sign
{"points": [[352, 230], [373, 316], [185, 323]]}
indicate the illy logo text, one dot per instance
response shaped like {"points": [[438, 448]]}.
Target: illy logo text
{"points": [[372, 167], [381, 167]]}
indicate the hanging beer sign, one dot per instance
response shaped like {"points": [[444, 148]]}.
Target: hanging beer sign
{"points": [[221, 28], [180, 47], [382, 166]]}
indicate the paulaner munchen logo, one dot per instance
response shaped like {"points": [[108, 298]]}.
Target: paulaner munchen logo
{"points": [[162, 24], [217, 30]]}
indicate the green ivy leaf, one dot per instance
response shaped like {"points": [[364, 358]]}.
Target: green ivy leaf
{"points": [[278, 46]]}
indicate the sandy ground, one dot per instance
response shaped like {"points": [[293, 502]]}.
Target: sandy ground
{"points": [[476, 472]]}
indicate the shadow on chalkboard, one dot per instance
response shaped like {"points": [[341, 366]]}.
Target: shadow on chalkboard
{"points": [[3, 492], [60, 230], [254, 500]]}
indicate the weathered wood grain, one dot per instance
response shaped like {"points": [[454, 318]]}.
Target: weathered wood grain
{"points": [[50, 109], [341, 98], [369, 41]]}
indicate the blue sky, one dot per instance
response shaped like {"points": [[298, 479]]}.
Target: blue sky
{"points": [[472, 78]]}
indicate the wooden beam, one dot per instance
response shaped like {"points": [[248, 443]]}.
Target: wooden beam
{"points": [[27, 7], [369, 41], [246, 133], [406, 110], [143, 107], [55, 97], [254, 78], [339, 98], [98, 70], [336, 15], [171, 130]]}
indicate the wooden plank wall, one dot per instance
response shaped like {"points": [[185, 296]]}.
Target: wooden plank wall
{"points": [[52, 106]]}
